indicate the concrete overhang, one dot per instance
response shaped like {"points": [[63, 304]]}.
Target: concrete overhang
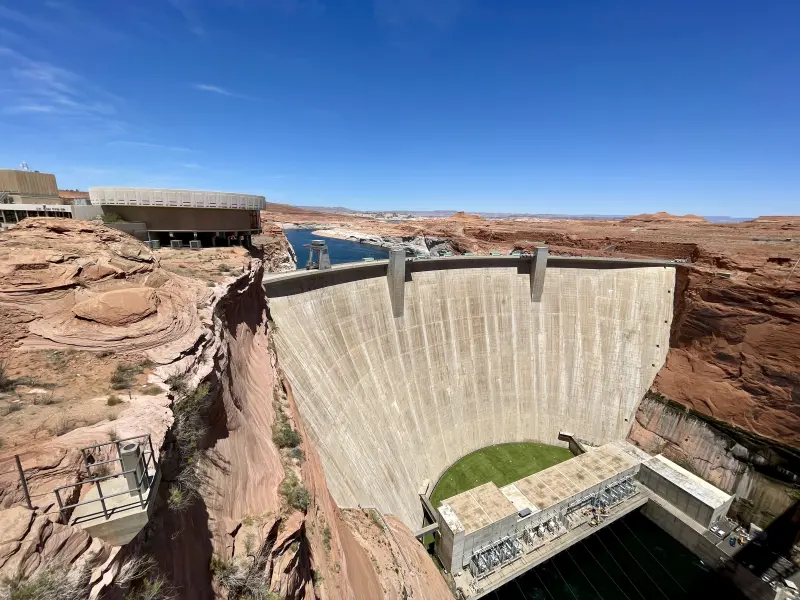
{"points": [[168, 198]]}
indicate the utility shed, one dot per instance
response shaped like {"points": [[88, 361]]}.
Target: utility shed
{"points": [[696, 498]]}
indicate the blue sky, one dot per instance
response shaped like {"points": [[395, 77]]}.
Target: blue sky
{"points": [[594, 106]]}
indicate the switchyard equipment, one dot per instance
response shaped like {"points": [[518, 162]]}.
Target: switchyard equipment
{"points": [[545, 504]]}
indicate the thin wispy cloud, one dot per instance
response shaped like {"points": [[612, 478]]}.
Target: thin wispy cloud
{"points": [[15, 17], [39, 87], [190, 15], [219, 90], [149, 145], [205, 87]]}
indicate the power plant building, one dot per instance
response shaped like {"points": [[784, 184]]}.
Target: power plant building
{"points": [[196, 218]]}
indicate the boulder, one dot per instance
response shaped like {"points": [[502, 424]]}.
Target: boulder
{"points": [[118, 307]]}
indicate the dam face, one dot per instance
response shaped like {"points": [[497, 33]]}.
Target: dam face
{"points": [[393, 401]]}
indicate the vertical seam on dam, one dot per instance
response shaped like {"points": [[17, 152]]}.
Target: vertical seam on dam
{"points": [[392, 401]]}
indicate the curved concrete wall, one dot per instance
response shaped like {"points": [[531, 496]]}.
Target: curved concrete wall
{"points": [[473, 362]]}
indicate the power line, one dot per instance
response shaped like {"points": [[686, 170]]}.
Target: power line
{"points": [[597, 537], [524, 596], [543, 584], [562, 577], [654, 557], [586, 546], [596, 591], [637, 562]]}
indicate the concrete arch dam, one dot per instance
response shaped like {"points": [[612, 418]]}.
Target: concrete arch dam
{"points": [[393, 401]]}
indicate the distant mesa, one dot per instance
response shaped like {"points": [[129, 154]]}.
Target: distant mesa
{"points": [[463, 216], [795, 219], [664, 217]]}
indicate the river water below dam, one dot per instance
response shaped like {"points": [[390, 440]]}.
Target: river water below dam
{"points": [[631, 558], [340, 251]]}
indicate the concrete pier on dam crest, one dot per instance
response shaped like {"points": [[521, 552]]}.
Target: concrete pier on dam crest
{"points": [[396, 377]]}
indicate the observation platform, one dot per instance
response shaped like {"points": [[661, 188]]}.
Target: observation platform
{"points": [[116, 498]]}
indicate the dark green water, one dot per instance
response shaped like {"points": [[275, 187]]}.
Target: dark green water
{"points": [[340, 251], [631, 559]]}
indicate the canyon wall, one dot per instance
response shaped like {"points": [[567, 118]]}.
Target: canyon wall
{"points": [[307, 553], [761, 474], [390, 403]]}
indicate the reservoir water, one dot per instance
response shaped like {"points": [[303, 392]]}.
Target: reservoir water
{"points": [[341, 251]]}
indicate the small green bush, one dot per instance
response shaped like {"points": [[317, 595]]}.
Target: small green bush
{"points": [[326, 538], [177, 383], [285, 436], [113, 400], [224, 267], [111, 217], [151, 390], [294, 493]]}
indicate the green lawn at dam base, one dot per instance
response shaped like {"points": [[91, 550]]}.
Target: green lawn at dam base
{"points": [[501, 464]]}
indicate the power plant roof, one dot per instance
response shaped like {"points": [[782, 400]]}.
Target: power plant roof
{"points": [[486, 504], [157, 197]]}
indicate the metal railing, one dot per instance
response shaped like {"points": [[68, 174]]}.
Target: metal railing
{"points": [[141, 478]]}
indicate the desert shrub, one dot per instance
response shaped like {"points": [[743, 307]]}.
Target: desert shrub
{"points": [[188, 430], [113, 400], [6, 383], [45, 400], [124, 376], [53, 583], [177, 383], [113, 436], [151, 588], [298, 454], [326, 538], [63, 425], [111, 217], [11, 408], [376, 520], [245, 580], [151, 390], [59, 359], [283, 434], [224, 267], [294, 493]]}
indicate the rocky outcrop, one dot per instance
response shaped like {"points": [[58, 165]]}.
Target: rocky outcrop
{"points": [[764, 477], [81, 285], [243, 519], [735, 347], [31, 542]]}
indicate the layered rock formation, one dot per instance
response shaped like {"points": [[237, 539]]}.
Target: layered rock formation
{"points": [[77, 287]]}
